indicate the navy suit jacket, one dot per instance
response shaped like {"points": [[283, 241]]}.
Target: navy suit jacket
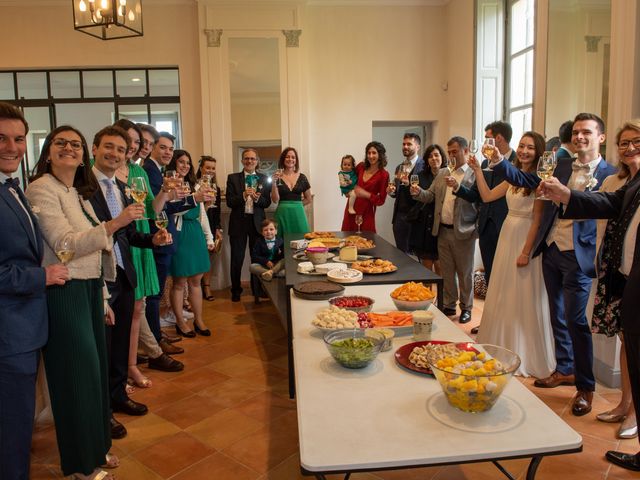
{"points": [[584, 233], [23, 303], [495, 211], [402, 194], [260, 253], [127, 236], [171, 208], [612, 205], [235, 201]]}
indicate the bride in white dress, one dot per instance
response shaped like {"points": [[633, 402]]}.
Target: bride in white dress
{"points": [[516, 311]]}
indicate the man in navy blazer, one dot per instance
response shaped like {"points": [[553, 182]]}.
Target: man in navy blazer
{"points": [[569, 249], [247, 206], [400, 190], [23, 304], [159, 158], [622, 205]]}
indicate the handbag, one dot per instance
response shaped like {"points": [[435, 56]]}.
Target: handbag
{"points": [[479, 284]]}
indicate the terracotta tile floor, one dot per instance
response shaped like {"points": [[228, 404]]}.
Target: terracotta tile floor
{"points": [[227, 416]]}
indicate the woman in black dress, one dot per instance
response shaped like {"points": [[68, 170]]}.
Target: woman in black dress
{"points": [[421, 241]]}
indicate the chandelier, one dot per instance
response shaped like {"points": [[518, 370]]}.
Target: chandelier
{"points": [[108, 19]]}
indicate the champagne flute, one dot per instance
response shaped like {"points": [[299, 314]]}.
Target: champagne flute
{"points": [[279, 173], [172, 181], [415, 180], [65, 248], [359, 221], [488, 147], [473, 146], [451, 165], [546, 166], [139, 191], [186, 189], [205, 185], [162, 221]]}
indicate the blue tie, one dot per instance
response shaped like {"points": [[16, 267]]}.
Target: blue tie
{"points": [[114, 210]]}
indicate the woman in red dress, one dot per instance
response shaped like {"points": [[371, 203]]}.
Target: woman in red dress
{"points": [[371, 189]]}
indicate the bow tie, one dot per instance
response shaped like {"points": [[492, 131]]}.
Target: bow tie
{"points": [[12, 182], [577, 167]]}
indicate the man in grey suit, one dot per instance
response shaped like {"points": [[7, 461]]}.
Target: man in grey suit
{"points": [[455, 226], [23, 304]]}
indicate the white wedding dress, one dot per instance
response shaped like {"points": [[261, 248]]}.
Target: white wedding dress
{"points": [[516, 310]]}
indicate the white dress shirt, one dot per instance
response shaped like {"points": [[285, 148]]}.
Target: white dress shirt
{"points": [[446, 216]]}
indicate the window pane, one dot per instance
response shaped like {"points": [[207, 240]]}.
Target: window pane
{"points": [[7, 91], [39, 127], [32, 85], [164, 83], [521, 25], [135, 113], [89, 118], [521, 82], [97, 84], [131, 83], [166, 118], [520, 121], [65, 84]]}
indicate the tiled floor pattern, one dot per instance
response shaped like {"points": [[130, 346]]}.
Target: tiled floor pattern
{"points": [[227, 416]]}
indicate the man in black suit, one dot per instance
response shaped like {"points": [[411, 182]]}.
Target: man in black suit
{"points": [[110, 203], [623, 205], [412, 165], [23, 304], [247, 204]]}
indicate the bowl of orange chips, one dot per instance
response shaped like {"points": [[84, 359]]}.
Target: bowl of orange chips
{"points": [[412, 296]]}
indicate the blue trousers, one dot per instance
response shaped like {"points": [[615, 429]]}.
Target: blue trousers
{"points": [[17, 409], [568, 290]]}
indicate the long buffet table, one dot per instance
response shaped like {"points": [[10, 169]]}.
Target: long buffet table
{"points": [[408, 270], [386, 417]]}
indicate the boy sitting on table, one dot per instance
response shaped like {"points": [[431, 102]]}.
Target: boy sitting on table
{"points": [[267, 257]]}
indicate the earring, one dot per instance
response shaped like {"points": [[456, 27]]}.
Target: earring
{"points": [[82, 164], [48, 160]]}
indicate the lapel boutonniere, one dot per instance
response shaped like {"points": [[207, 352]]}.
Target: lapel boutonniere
{"points": [[591, 182]]}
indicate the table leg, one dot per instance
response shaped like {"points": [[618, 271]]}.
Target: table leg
{"points": [[533, 467], [503, 470], [292, 380]]}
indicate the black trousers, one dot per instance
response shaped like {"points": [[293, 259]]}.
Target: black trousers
{"points": [[152, 310], [402, 231], [488, 241], [121, 302], [238, 248]]}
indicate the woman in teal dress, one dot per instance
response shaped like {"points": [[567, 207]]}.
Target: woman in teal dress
{"points": [[191, 259], [291, 190], [142, 258]]}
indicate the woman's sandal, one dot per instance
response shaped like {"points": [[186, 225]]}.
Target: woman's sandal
{"points": [[206, 293], [138, 380], [112, 461], [96, 475]]}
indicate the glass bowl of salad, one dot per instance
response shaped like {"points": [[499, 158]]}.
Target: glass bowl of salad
{"points": [[354, 348]]}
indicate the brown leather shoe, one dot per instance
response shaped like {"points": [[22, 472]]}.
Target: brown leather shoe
{"points": [[582, 403], [169, 348], [171, 338], [554, 380]]}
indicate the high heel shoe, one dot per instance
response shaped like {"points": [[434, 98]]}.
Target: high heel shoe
{"points": [[629, 432], [189, 334], [205, 333], [609, 417]]}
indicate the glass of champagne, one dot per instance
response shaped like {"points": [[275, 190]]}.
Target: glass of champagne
{"points": [[414, 180], [205, 185], [359, 221], [473, 146], [171, 181], [488, 148], [186, 189], [139, 191], [546, 166], [65, 248], [279, 173], [162, 221], [451, 165]]}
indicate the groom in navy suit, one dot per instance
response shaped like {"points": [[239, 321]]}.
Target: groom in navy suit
{"points": [[569, 249], [23, 304]]}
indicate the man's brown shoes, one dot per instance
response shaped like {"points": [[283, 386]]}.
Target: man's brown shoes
{"points": [[554, 380], [582, 403]]}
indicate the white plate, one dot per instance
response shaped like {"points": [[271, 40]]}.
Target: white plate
{"points": [[344, 276], [302, 257], [361, 258], [312, 272]]}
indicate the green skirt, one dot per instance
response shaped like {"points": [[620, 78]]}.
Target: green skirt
{"points": [[291, 218], [75, 360]]}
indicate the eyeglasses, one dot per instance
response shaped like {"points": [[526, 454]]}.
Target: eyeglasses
{"points": [[623, 145], [61, 143]]}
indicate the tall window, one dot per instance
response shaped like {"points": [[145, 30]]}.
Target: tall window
{"points": [[90, 99], [505, 42]]}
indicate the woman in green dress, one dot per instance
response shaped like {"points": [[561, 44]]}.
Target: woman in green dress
{"points": [[291, 190], [194, 239], [143, 260], [75, 356]]}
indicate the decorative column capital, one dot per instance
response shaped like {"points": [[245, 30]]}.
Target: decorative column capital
{"points": [[592, 42], [213, 37], [293, 37]]}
